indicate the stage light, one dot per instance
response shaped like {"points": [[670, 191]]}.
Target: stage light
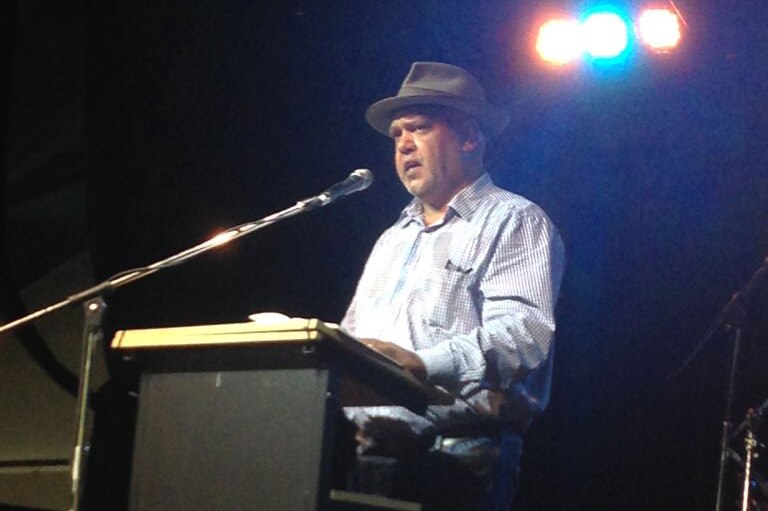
{"points": [[659, 29], [605, 35], [559, 41]]}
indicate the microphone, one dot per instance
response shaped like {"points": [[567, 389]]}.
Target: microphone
{"points": [[357, 181]]}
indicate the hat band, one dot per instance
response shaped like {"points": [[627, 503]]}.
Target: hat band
{"points": [[420, 91]]}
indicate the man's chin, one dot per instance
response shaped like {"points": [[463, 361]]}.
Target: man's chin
{"points": [[415, 185], [415, 190]]}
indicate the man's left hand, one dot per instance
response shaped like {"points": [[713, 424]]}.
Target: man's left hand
{"points": [[407, 358]]}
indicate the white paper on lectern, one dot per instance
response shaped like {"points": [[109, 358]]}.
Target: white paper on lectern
{"points": [[273, 318]]}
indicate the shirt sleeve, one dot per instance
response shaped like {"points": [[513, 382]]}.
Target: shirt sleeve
{"points": [[517, 293]]}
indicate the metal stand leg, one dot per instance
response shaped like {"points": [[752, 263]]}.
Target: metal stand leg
{"points": [[93, 311], [727, 420]]}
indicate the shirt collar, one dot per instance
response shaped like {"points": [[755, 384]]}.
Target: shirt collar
{"points": [[463, 203]]}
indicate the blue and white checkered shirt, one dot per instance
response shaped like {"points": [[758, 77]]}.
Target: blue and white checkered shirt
{"points": [[474, 296]]}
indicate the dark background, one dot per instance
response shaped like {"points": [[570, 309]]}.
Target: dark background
{"points": [[137, 129]]}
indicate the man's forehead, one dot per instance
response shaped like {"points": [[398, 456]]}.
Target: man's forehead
{"points": [[411, 116], [402, 120], [421, 113]]}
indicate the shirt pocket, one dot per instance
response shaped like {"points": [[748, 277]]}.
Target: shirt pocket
{"points": [[449, 299]]}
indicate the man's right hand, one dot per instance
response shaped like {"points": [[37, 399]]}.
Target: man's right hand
{"points": [[407, 358]]}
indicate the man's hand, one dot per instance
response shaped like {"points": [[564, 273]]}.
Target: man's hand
{"points": [[385, 436], [408, 359]]}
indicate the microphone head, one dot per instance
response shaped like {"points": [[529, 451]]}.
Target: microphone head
{"points": [[357, 181], [366, 178]]}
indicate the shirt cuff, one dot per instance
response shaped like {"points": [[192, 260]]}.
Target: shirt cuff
{"points": [[438, 360]]}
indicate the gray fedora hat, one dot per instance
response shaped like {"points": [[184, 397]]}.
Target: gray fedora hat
{"points": [[435, 83]]}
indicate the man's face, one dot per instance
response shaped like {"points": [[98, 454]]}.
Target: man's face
{"points": [[429, 157]]}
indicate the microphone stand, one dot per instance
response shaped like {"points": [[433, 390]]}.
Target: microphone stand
{"points": [[92, 333], [731, 318], [94, 308]]}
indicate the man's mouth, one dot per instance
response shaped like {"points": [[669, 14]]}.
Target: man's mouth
{"points": [[410, 165]]}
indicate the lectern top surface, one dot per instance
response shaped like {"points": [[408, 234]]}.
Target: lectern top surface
{"points": [[295, 329]]}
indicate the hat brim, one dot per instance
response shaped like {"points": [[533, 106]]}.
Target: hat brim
{"points": [[492, 121]]}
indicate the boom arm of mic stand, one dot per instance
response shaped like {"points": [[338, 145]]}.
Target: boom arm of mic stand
{"points": [[126, 277]]}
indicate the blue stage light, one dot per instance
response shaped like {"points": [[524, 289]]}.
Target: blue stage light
{"points": [[605, 35]]}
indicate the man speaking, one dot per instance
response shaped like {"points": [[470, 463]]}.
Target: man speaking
{"points": [[461, 291]]}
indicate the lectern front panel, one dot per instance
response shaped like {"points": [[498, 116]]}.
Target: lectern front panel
{"points": [[233, 440]]}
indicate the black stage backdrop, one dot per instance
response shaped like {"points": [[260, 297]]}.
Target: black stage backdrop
{"points": [[203, 115]]}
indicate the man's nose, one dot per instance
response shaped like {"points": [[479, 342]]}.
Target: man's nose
{"points": [[404, 143]]}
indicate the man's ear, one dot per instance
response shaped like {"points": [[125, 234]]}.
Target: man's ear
{"points": [[472, 137], [470, 146]]}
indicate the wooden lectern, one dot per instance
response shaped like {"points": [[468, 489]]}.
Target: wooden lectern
{"points": [[241, 416]]}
